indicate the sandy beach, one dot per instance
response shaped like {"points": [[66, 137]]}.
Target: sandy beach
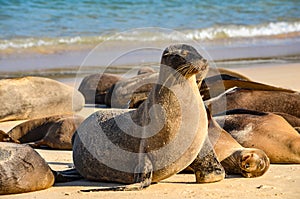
{"points": [[281, 181]]}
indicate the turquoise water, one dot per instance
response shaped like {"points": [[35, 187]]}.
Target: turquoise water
{"points": [[31, 27], [71, 18]]}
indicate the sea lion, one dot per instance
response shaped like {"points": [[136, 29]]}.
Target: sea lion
{"points": [[236, 159], [55, 131], [215, 85], [213, 71], [265, 101], [266, 131], [32, 97], [22, 169], [292, 120], [145, 70], [94, 87], [155, 141], [4, 137], [130, 93]]}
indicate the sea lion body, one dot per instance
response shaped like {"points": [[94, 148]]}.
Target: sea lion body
{"points": [[215, 85], [265, 101], [94, 87], [266, 131], [22, 169], [166, 134], [236, 159], [55, 131], [33, 97]]}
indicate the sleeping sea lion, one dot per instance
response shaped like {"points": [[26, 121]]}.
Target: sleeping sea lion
{"points": [[236, 159], [265, 101], [266, 131], [22, 169], [54, 131]]}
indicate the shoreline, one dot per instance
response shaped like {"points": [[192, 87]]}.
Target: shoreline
{"points": [[41, 60]]}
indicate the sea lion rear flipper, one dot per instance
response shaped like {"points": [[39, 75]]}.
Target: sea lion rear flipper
{"points": [[142, 177]]}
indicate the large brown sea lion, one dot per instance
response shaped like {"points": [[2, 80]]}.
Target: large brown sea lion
{"points": [[22, 169], [236, 159], [155, 141], [266, 131], [33, 97], [55, 131], [292, 120]]}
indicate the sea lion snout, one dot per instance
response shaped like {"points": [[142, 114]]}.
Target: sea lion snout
{"points": [[200, 65], [185, 59], [254, 164]]}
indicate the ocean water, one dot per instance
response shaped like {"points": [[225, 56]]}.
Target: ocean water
{"points": [[34, 34]]}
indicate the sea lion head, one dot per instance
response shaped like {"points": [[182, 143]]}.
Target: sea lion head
{"points": [[253, 162], [185, 60]]}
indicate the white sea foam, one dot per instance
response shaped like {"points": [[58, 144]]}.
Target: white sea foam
{"points": [[211, 33]]}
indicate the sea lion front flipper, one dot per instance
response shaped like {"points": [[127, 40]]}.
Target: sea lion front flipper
{"points": [[206, 166], [66, 175], [142, 177]]}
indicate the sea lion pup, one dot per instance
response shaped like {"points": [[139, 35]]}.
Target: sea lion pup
{"points": [[265, 101], [54, 131], [157, 140], [22, 169], [266, 131]]}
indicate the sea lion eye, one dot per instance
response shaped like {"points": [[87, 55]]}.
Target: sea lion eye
{"points": [[247, 166]]}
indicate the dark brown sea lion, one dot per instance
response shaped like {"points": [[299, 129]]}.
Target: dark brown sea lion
{"points": [[155, 141], [213, 71], [55, 131], [22, 169], [130, 93], [94, 87], [216, 85], [266, 131], [265, 101]]}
